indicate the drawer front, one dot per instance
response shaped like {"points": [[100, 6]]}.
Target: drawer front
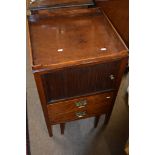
{"points": [[80, 108], [62, 118], [74, 82]]}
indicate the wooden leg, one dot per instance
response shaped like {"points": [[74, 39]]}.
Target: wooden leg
{"points": [[62, 127], [49, 127], [96, 121], [107, 118]]}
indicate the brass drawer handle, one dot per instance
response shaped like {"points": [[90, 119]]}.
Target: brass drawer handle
{"points": [[112, 77], [81, 104], [80, 114]]}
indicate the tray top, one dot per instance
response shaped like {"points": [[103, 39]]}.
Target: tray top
{"points": [[70, 36], [44, 4]]}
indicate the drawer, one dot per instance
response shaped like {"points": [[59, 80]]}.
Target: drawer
{"points": [[78, 114], [80, 108], [77, 81]]}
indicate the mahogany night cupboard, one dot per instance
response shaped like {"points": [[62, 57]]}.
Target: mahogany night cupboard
{"points": [[77, 59]]}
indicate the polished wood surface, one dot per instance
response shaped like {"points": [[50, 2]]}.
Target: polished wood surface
{"points": [[67, 110], [78, 59], [74, 82], [42, 97], [79, 35], [70, 105], [71, 116]]}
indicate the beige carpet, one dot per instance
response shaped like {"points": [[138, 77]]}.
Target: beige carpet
{"points": [[80, 137]]}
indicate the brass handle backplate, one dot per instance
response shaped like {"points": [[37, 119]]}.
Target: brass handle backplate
{"points": [[81, 114], [81, 104]]}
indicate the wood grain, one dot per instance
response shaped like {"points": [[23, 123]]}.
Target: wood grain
{"points": [[73, 82], [74, 53], [43, 103], [70, 105], [66, 111], [81, 35]]}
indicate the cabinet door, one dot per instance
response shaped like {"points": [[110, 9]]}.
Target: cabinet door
{"points": [[77, 81]]}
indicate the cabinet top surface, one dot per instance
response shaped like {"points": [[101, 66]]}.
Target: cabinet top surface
{"points": [[67, 35]]}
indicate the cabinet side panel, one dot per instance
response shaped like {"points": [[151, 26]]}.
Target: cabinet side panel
{"points": [[42, 97]]}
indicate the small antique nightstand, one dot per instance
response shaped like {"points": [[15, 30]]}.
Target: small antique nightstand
{"points": [[77, 59]]}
